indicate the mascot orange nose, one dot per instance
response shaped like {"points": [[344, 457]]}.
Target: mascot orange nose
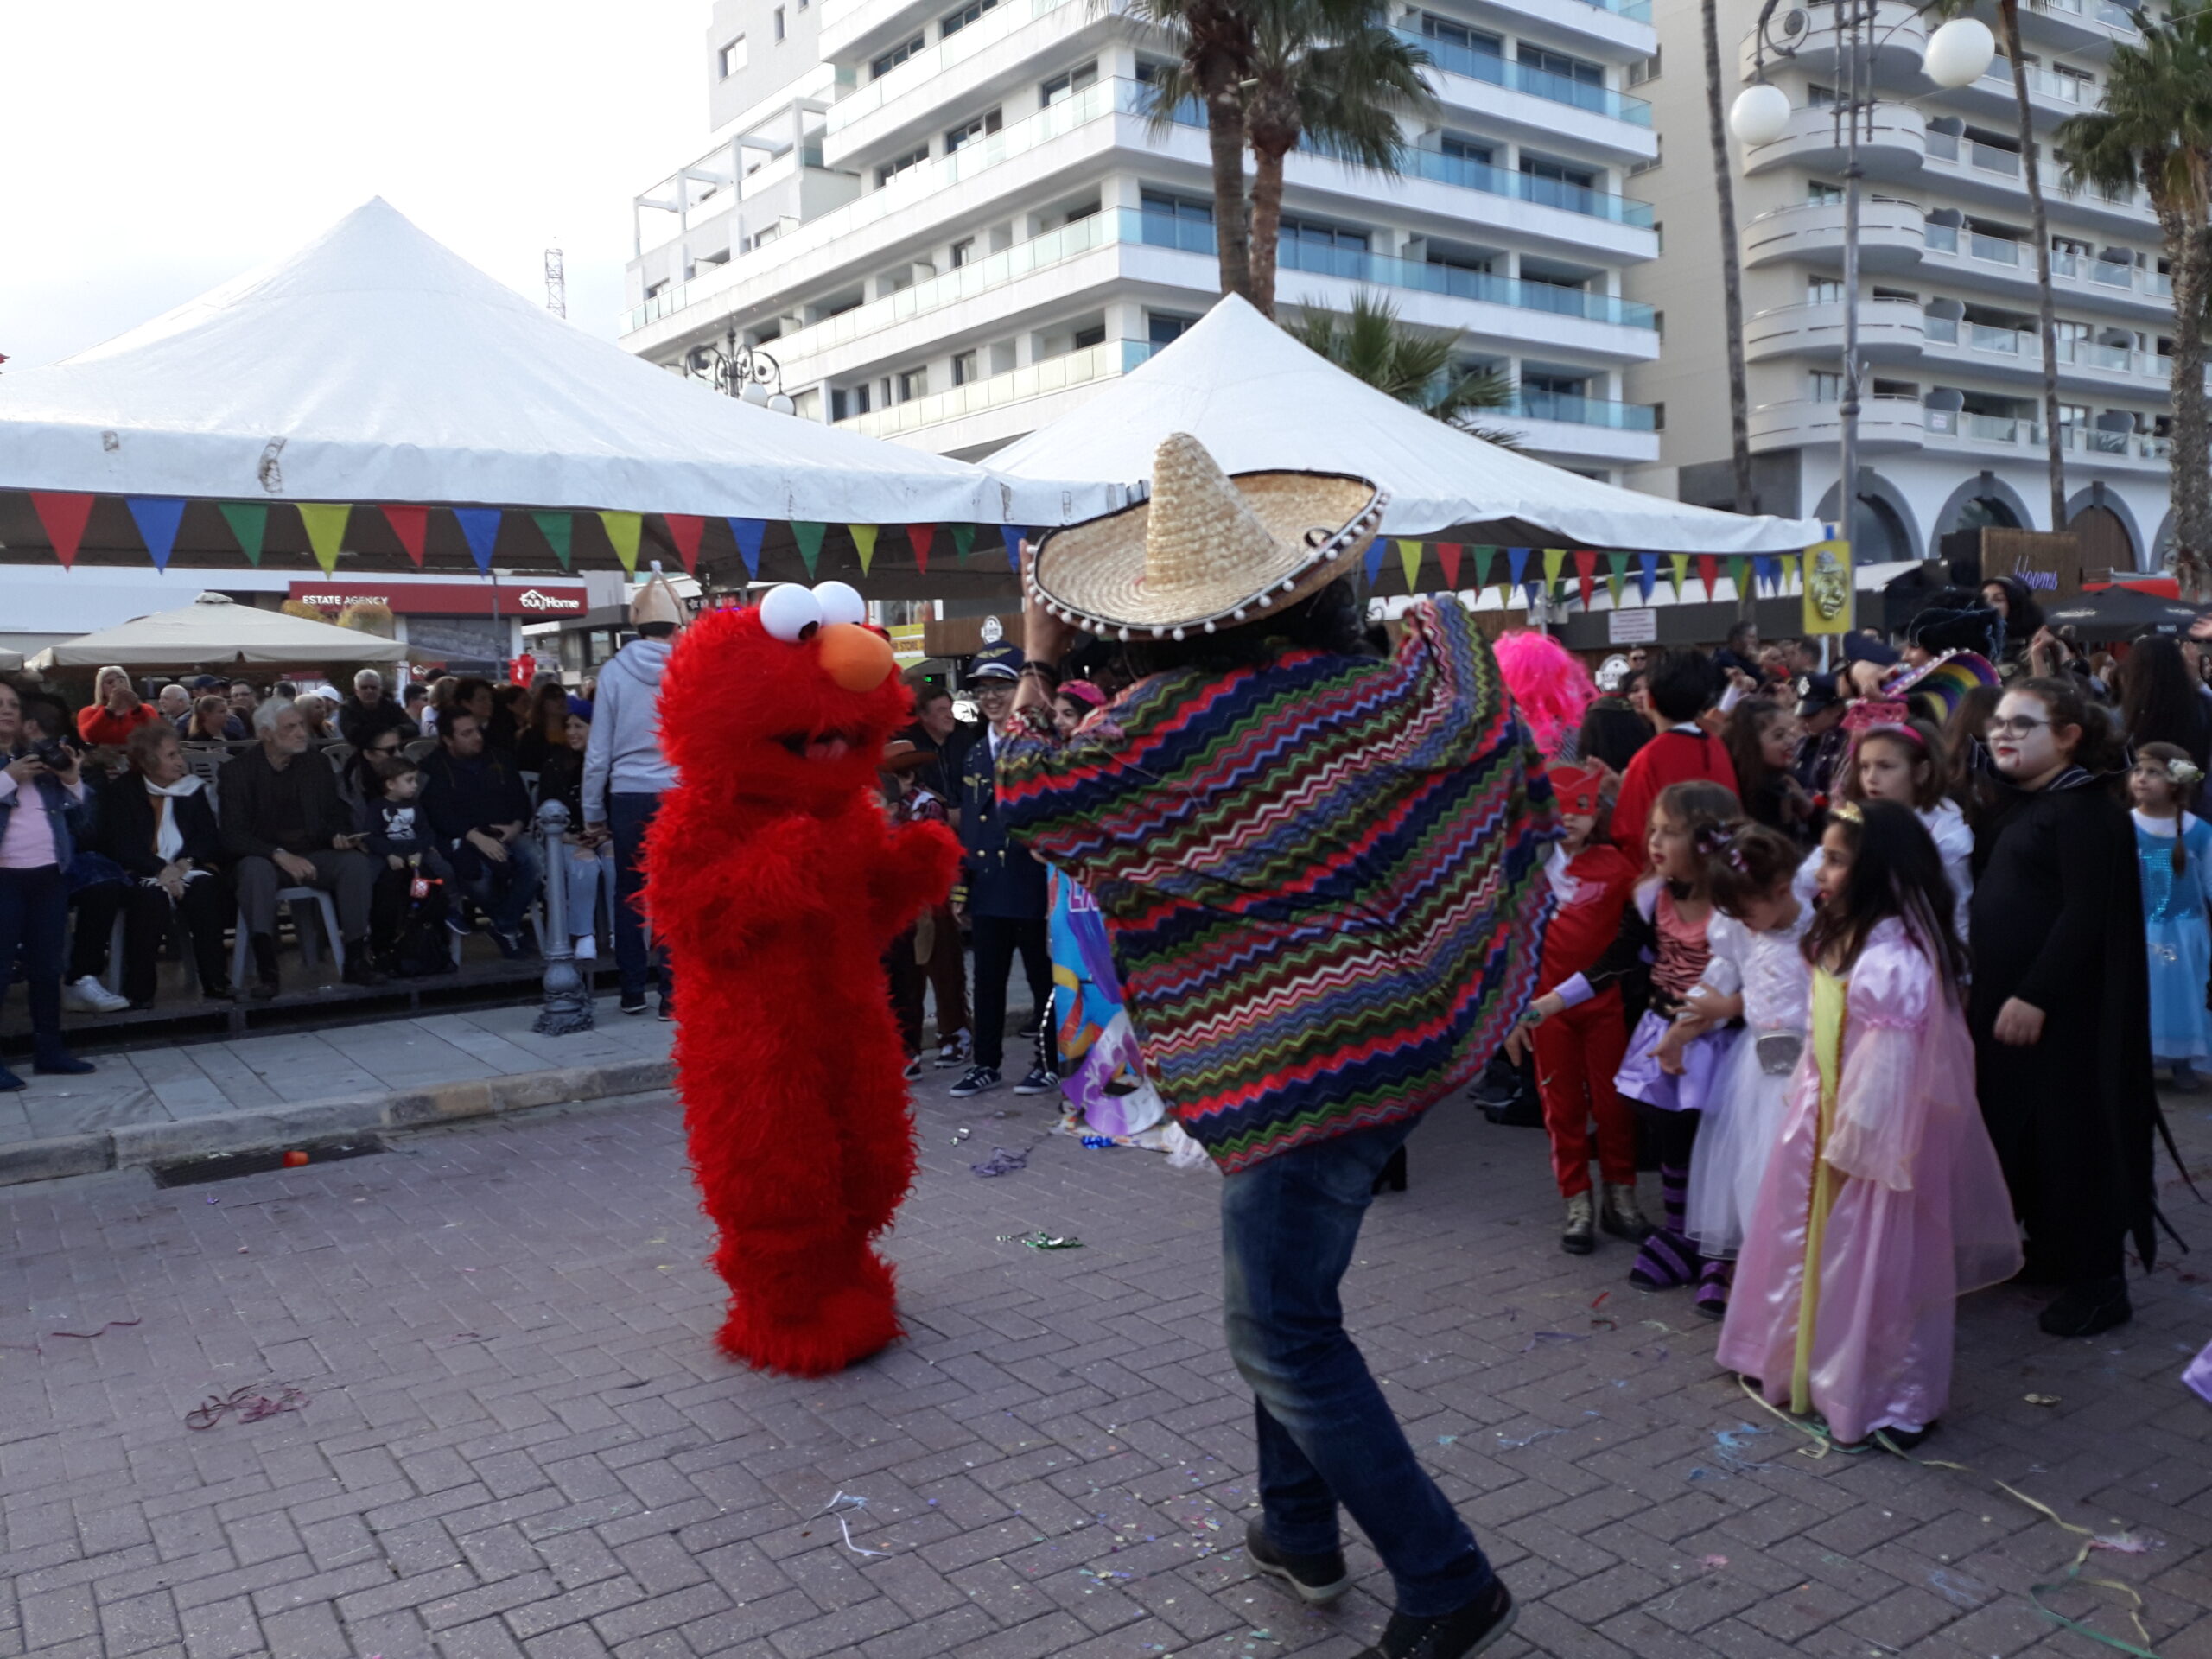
{"points": [[857, 659]]}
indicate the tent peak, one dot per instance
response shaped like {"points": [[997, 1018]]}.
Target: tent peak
{"points": [[214, 598]]}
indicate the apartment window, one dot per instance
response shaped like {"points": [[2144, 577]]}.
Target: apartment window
{"points": [[1455, 259], [1819, 97], [1643, 69], [1065, 86], [845, 405], [732, 57], [1820, 190], [1445, 30], [1312, 233], [654, 290], [898, 55], [970, 131], [1165, 327], [892, 170], [963, 252], [1659, 235], [777, 17], [912, 384], [1175, 222], [955, 22], [1086, 338], [2074, 86], [1467, 150], [1658, 154], [1659, 326], [1824, 291], [1658, 418], [963, 368], [1827, 386], [1558, 63], [2073, 415], [1537, 166]]}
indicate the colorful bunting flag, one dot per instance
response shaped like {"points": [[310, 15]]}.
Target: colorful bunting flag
{"points": [[1013, 535], [1517, 561], [963, 539], [683, 532], [1447, 555], [64, 516], [749, 533], [623, 529], [1615, 573], [559, 529], [1739, 572], [1371, 559], [1681, 563], [325, 522], [480, 527], [864, 541], [1409, 558], [809, 538], [249, 522], [1487, 568], [1555, 562], [919, 537], [1647, 574], [157, 517], [1708, 572], [1789, 562], [1766, 572], [1586, 573], [411, 525]]}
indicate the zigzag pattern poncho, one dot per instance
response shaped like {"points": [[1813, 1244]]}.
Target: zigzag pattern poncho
{"points": [[1323, 878]]}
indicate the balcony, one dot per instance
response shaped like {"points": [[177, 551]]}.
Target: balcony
{"points": [[1496, 70], [1889, 331], [1977, 260], [1989, 173], [925, 66], [1811, 232], [1886, 424], [1523, 186], [1900, 35], [1531, 405], [1892, 149], [1104, 362]]}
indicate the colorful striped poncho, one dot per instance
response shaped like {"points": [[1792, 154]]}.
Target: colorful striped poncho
{"points": [[1323, 878]]}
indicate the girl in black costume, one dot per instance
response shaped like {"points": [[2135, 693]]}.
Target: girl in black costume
{"points": [[2060, 1003]]}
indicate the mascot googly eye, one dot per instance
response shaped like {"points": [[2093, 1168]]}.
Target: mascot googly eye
{"points": [[791, 614], [839, 603]]}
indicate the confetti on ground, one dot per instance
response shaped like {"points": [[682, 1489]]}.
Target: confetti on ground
{"points": [[1002, 1162], [2040, 1399], [1713, 1560], [2126, 1543]]}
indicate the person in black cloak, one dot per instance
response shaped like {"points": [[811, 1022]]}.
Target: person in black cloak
{"points": [[2060, 1003]]}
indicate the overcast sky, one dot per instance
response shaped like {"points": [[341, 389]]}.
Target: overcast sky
{"points": [[153, 150]]}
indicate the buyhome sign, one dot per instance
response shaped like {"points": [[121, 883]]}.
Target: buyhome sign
{"points": [[549, 600]]}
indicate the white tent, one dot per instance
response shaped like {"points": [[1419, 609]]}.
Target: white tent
{"points": [[1257, 399], [376, 364], [212, 632]]}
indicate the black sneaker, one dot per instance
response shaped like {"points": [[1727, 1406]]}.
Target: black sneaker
{"points": [[667, 1009], [956, 1050], [1471, 1629], [2084, 1310], [913, 1069], [1317, 1579], [634, 1002], [978, 1079], [1038, 1082], [360, 969]]}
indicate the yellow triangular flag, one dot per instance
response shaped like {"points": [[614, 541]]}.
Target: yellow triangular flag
{"points": [[864, 539], [1409, 556], [1788, 570], [1555, 562], [1681, 564], [325, 527], [623, 529]]}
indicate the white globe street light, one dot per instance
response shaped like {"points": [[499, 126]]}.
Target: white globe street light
{"points": [[1959, 53], [1760, 114]]}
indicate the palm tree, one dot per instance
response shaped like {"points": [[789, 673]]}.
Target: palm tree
{"points": [[1331, 73], [1411, 365], [2046, 312], [1724, 190], [2156, 128], [1213, 40]]}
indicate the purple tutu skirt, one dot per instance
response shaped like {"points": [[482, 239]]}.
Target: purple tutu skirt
{"points": [[1704, 1064]]}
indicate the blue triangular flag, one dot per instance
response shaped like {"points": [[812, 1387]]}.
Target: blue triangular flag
{"points": [[1516, 560], [157, 516], [1372, 559], [750, 533], [1647, 573], [1013, 535], [1765, 572], [481, 526]]}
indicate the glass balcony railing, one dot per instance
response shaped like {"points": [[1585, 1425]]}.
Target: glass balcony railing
{"points": [[917, 71], [1998, 429], [1994, 250], [1943, 329], [1532, 405], [1989, 158], [1986, 337], [1944, 239], [1102, 362], [1944, 146], [1458, 60], [2044, 83], [1470, 175]]}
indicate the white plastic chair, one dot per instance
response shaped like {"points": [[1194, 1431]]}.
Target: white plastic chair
{"points": [[291, 896]]}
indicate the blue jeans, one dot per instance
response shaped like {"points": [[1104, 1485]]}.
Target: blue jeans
{"points": [[629, 817], [589, 872], [1327, 1436], [34, 917], [505, 892]]}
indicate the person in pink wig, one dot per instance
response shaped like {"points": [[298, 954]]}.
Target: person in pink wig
{"points": [[1550, 688]]}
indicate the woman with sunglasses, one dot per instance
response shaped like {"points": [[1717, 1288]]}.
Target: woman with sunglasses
{"points": [[358, 783], [2060, 1009]]}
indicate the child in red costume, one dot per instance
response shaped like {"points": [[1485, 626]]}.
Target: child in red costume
{"points": [[1579, 1047], [776, 883]]}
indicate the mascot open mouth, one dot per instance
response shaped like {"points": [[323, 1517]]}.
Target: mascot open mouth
{"points": [[824, 746]]}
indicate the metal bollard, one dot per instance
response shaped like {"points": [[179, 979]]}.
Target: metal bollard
{"points": [[568, 1002]]}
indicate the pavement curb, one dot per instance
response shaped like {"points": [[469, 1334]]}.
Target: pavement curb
{"points": [[134, 1145]]}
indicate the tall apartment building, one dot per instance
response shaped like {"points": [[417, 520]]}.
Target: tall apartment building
{"points": [[1951, 427], [951, 222]]}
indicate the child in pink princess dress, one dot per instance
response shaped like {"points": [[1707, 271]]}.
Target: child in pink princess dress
{"points": [[1883, 1202]]}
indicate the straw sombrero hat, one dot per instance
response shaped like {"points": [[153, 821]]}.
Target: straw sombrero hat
{"points": [[1206, 552]]}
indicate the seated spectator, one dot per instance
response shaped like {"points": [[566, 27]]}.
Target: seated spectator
{"points": [[590, 863], [115, 711], [284, 827], [287, 690], [510, 717], [545, 731], [476, 696], [176, 706], [41, 811], [212, 722], [314, 711], [478, 812], [369, 711], [443, 691], [155, 823], [244, 700], [397, 838], [415, 699], [359, 783]]}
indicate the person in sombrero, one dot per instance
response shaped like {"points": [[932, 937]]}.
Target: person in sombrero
{"points": [[1322, 876]]}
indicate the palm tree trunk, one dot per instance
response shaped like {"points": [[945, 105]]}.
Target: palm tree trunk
{"points": [[2192, 260], [1232, 233], [2046, 316], [1267, 224], [1724, 190]]}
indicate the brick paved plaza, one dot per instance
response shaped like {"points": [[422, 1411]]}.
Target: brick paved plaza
{"points": [[518, 1439]]}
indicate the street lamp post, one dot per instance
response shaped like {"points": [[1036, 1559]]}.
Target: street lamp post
{"points": [[745, 372], [1957, 54]]}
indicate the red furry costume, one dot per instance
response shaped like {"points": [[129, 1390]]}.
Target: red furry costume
{"points": [[777, 881]]}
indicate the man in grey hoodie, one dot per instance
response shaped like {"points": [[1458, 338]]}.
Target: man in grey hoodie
{"points": [[626, 773]]}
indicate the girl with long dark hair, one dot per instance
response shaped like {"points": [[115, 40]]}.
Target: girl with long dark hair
{"points": [[1883, 1202], [2174, 849]]}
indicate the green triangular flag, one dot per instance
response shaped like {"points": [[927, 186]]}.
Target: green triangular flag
{"points": [[249, 522], [1554, 560], [1616, 572], [559, 529], [1486, 561], [864, 539], [1681, 561], [1409, 556], [963, 538], [809, 538], [623, 529], [326, 528], [1739, 572]]}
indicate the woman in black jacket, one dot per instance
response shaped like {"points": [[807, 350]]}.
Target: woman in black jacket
{"points": [[156, 822]]}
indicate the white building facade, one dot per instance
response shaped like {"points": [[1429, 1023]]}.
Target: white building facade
{"points": [[950, 223], [1951, 427]]}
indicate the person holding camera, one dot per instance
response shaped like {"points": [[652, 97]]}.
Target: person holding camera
{"points": [[41, 812]]}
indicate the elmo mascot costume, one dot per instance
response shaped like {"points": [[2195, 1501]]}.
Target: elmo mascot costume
{"points": [[777, 881]]}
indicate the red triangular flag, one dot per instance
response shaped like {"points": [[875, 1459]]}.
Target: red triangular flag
{"points": [[1447, 555], [410, 524], [1708, 572], [64, 516], [683, 530], [1586, 572], [918, 536]]}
